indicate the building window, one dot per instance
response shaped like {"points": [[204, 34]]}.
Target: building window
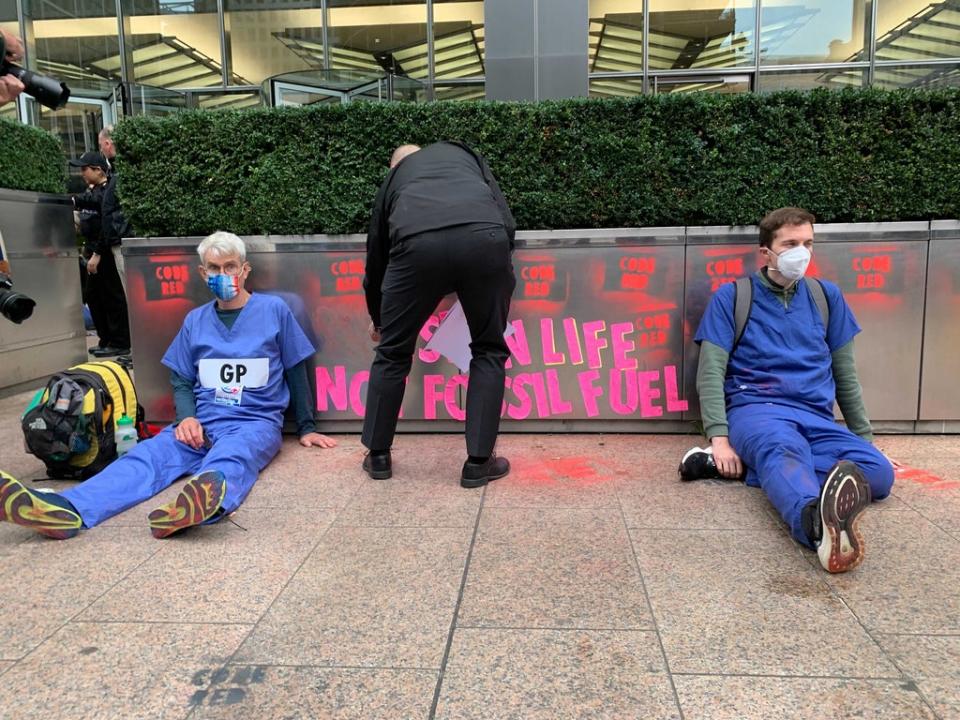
{"points": [[812, 31]]}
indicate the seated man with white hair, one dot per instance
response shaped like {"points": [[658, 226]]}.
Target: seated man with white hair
{"points": [[235, 365]]}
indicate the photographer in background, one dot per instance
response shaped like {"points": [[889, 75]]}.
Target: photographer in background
{"points": [[11, 50], [105, 296]]}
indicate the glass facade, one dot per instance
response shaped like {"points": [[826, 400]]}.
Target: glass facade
{"points": [[768, 45], [160, 56]]}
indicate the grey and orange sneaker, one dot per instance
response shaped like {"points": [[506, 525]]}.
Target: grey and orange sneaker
{"points": [[199, 501], [845, 495], [21, 506]]}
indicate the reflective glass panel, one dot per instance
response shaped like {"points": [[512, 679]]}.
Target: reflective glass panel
{"points": [[174, 43], [615, 87], [692, 34], [713, 84], [810, 79], [917, 76], [457, 39], [268, 39], [473, 91], [75, 40], [389, 36], [811, 31], [616, 36], [917, 29]]}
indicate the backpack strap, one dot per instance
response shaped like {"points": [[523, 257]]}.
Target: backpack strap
{"points": [[742, 305], [815, 287]]}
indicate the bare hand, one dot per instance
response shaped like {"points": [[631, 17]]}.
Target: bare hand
{"points": [[374, 333], [190, 432], [93, 263], [13, 45], [315, 439], [10, 87], [726, 458]]}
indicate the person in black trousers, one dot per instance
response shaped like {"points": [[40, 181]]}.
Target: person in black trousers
{"points": [[439, 225], [105, 296]]}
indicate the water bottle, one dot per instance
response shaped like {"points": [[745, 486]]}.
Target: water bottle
{"points": [[125, 435]]}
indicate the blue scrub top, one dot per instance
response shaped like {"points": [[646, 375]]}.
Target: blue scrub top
{"points": [[238, 373], [784, 354]]}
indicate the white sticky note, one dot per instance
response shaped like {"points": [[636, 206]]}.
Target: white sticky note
{"points": [[452, 338]]}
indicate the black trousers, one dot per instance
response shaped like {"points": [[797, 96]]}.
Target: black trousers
{"points": [[108, 304], [473, 261]]}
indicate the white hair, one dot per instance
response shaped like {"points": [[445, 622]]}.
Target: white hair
{"points": [[106, 133], [223, 244]]}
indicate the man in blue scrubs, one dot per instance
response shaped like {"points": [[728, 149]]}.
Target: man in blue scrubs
{"points": [[767, 401], [235, 365]]}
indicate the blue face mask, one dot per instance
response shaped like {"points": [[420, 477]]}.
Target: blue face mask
{"points": [[225, 287]]}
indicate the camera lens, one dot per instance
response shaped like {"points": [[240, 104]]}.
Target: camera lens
{"points": [[49, 92], [15, 307]]}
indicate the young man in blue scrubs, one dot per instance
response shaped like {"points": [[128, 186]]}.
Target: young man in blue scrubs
{"points": [[767, 401], [235, 365]]}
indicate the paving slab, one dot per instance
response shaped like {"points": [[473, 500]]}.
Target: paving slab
{"points": [[934, 663], [552, 674], [758, 698], [47, 582], [90, 671], [553, 568], [313, 692], [233, 574], [741, 603], [366, 597]]}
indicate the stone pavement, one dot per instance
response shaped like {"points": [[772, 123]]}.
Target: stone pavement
{"points": [[590, 583]]}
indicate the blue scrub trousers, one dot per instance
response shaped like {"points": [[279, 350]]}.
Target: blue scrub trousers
{"points": [[788, 452], [240, 451]]}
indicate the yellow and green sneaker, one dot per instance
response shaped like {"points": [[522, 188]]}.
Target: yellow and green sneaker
{"points": [[21, 506], [199, 501]]}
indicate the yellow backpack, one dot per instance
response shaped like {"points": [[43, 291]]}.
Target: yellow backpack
{"points": [[70, 424]]}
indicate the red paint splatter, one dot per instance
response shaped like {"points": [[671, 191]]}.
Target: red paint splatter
{"points": [[924, 477]]}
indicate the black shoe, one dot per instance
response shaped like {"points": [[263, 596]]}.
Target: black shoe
{"points": [[378, 465], [698, 464], [476, 475], [109, 351], [845, 495]]}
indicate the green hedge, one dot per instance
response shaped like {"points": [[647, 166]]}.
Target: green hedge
{"points": [[30, 159], [668, 160]]}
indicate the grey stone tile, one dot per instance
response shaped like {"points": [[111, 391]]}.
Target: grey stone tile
{"points": [[310, 477], [748, 698], [553, 569], [944, 695], [745, 603], [555, 674], [911, 448], [231, 574], [412, 503], [924, 656], [49, 581], [908, 581], [311, 692], [131, 671], [367, 597], [707, 505]]}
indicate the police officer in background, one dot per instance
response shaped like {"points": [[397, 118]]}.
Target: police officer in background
{"points": [[439, 225]]}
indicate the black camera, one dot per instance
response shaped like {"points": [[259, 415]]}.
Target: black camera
{"points": [[48, 91], [15, 307]]}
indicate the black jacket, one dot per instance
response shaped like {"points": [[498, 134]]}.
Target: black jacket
{"points": [[441, 185], [89, 205], [115, 225]]}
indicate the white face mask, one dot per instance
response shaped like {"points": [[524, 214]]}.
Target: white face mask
{"points": [[792, 263]]}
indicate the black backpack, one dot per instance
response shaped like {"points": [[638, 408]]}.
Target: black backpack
{"points": [[70, 424]]}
